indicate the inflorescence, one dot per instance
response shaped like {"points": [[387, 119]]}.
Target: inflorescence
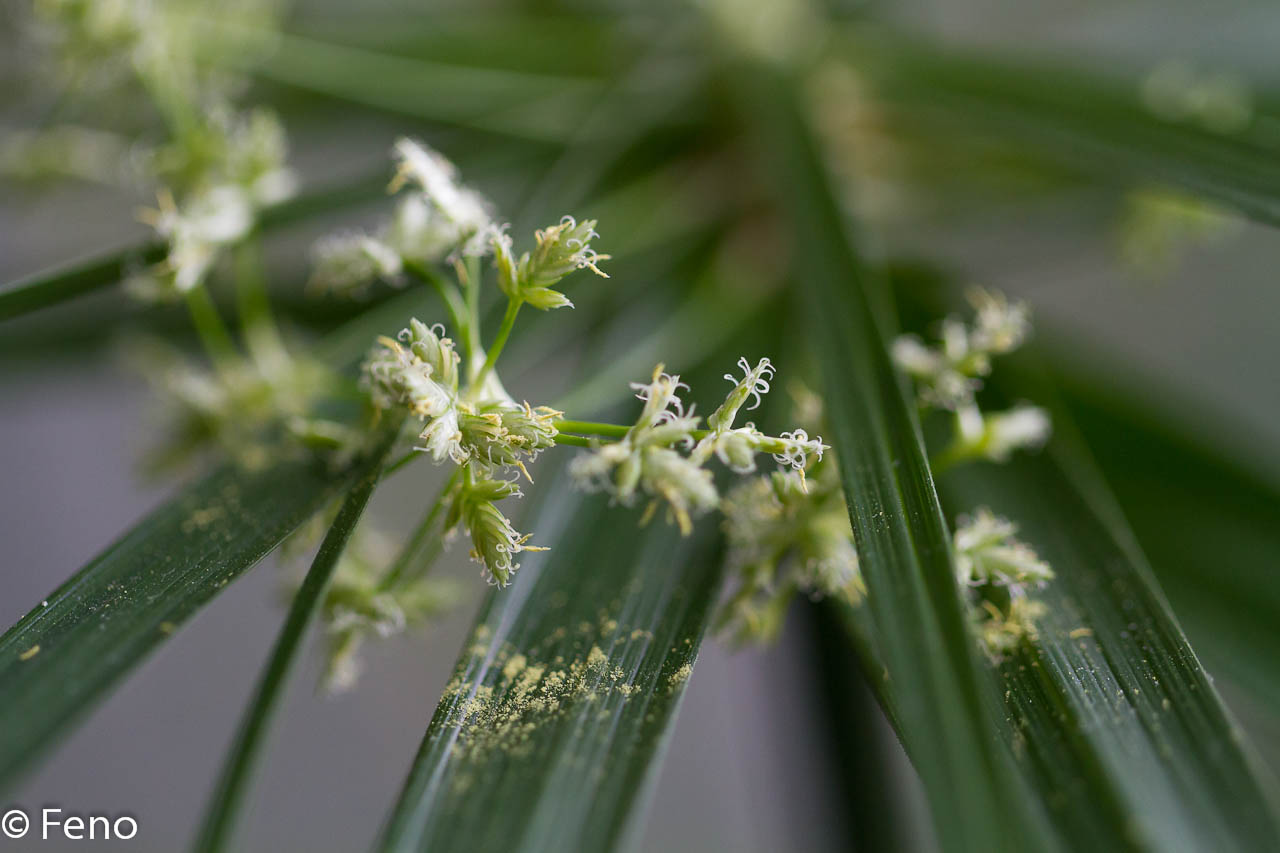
{"points": [[949, 375]]}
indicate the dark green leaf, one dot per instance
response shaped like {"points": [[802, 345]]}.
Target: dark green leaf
{"points": [[1097, 124], [233, 786], [1114, 718], [938, 683], [1210, 526], [72, 648], [562, 699], [525, 105], [50, 287]]}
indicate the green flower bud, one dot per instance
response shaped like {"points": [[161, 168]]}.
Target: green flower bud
{"points": [[494, 541]]}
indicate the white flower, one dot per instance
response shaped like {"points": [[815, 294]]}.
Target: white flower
{"points": [[418, 231], [197, 233], [948, 375], [1000, 325], [421, 376], [1020, 427], [796, 449], [610, 468], [753, 385], [986, 551], [687, 488], [661, 397], [783, 538], [349, 262], [463, 209], [442, 438]]}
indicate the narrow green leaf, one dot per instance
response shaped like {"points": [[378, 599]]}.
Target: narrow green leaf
{"points": [[1110, 708], [525, 105], [561, 701], [64, 282], [73, 647], [939, 685], [1212, 532], [233, 785], [67, 281], [1096, 124]]}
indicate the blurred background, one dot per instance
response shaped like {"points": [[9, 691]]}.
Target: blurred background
{"points": [[1151, 289]]}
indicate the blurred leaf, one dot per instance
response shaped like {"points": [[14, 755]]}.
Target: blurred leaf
{"points": [[1113, 720], [562, 700], [1210, 525], [525, 105], [63, 656], [1109, 709], [68, 281], [1095, 123], [233, 786], [939, 685]]}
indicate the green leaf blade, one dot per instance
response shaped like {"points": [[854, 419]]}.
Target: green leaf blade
{"points": [[65, 654], [233, 786], [562, 700], [1095, 123], [903, 543], [1142, 719]]}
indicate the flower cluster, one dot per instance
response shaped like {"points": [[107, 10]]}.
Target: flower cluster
{"points": [[364, 600], [439, 218], [419, 374], [786, 536], [646, 458], [219, 167], [495, 543], [997, 570], [949, 375], [560, 250], [242, 406]]}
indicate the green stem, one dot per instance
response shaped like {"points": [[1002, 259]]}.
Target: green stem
{"points": [[592, 428], [449, 293], [473, 299], [610, 430], [504, 332], [421, 550], [572, 440], [68, 281], [258, 326], [404, 460], [209, 325], [232, 788]]}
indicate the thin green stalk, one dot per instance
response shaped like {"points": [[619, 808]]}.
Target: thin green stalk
{"points": [[610, 430], [473, 295], [418, 549], [404, 460], [572, 440], [233, 784], [592, 428], [68, 281], [504, 332], [209, 325], [449, 293], [258, 325]]}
